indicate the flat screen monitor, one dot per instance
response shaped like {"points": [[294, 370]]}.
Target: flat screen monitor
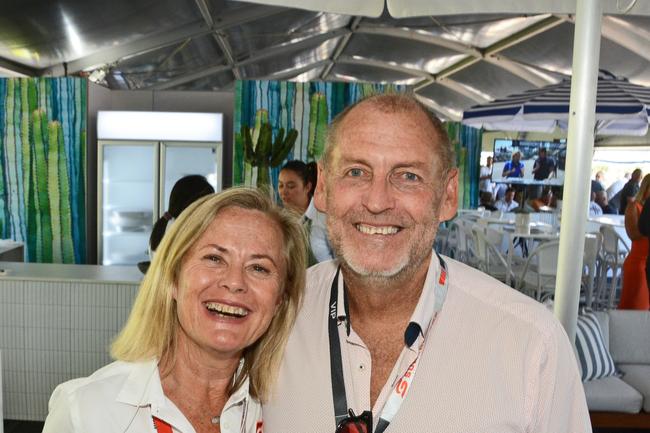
{"points": [[534, 168]]}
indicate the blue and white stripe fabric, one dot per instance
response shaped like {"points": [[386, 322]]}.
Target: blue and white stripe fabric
{"points": [[593, 355], [622, 108]]}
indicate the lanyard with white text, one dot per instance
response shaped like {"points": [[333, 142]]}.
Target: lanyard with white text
{"points": [[398, 394]]}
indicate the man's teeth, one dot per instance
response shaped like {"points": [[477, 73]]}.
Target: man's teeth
{"points": [[372, 230], [226, 310]]}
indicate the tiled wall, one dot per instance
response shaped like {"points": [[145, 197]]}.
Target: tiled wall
{"points": [[51, 332]]}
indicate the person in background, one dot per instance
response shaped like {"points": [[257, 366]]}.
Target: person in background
{"points": [[630, 190], [644, 229], [544, 203], [485, 177], [617, 186], [296, 184], [601, 200], [635, 294], [597, 183], [185, 191], [201, 347], [594, 208], [393, 335], [508, 204], [514, 167], [544, 166], [486, 201]]}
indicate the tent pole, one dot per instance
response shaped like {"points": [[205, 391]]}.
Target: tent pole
{"points": [[580, 144]]}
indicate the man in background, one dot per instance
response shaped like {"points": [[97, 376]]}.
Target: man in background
{"points": [[391, 333], [485, 177], [629, 190], [508, 204]]}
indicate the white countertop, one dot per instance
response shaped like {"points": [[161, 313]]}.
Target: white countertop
{"points": [[58, 272]]}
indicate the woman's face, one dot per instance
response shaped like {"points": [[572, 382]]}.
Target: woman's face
{"points": [[231, 283], [293, 191]]}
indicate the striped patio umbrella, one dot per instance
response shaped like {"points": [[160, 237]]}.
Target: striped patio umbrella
{"points": [[622, 108]]}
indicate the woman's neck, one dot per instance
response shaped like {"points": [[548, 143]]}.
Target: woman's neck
{"points": [[198, 378]]}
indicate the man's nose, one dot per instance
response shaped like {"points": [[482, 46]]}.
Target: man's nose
{"points": [[379, 196]]}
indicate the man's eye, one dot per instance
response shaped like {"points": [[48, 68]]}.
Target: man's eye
{"points": [[355, 172], [410, 176]]}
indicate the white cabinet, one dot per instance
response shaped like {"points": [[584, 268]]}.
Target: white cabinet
{"points": [[136, 177]]}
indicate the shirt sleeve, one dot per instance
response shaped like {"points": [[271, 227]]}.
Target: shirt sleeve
{"points": [[60, 418], [644, 219], [559, 403]]}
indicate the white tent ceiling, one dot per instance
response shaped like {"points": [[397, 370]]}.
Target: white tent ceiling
{"points": [[453, 60]]}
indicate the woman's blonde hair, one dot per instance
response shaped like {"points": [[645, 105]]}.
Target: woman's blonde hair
{"points": [[150, 331], [643, 189]]}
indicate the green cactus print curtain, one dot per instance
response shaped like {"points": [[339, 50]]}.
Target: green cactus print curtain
{"points": [[467, 143], [43, 167], [305, 107]]}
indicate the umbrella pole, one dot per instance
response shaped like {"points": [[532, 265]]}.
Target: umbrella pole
{"points": [[580, 144]]}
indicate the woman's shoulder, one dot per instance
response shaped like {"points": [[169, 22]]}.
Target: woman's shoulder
{"points": [[103, 384]]}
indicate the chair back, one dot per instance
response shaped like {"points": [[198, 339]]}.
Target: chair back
{"points": [[613, 244]]}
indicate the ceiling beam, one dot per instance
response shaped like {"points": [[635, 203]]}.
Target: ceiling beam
{"points": [[186, 78], [163, 39], [342, 45], [298, 44], [288, 74], [520, 70], [446, 112], [464, 89], [221, 41], [256, 57], [384, 65], [419, 36], [627, 35], [17, 69]]}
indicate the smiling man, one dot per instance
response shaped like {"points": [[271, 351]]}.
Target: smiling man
{"points": [[393, 337]]}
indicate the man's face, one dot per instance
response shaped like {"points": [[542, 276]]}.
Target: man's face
{"points": [[516, 156], [383, 192], [542, 154], [489, 161], [510, 196]]}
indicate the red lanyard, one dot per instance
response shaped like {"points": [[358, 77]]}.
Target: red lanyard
{"points": [[161, 426]]}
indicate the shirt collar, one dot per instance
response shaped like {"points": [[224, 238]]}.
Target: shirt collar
{"points": [[424, 310], [144, 388], [311, 211]]}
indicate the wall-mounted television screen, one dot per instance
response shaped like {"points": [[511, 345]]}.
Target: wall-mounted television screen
{"points": [[529, 162]]}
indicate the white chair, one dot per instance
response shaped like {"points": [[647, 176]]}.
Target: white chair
{"points": [[590, 264], [461, 241], [613, 253], [489, 257], [540, 270]]}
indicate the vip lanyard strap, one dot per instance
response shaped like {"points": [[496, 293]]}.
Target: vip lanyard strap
{"points": [[398, 394]]}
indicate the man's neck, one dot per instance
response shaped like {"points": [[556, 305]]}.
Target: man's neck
{"points": [[377, 300]]}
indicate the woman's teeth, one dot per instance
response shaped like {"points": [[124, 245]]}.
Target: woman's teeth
{"points": [[226, 310]]}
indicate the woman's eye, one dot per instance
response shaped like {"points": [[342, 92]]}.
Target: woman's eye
{"points": [[260, 269], [213, 258]]}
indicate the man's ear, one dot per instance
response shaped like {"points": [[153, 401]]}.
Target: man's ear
{"points": [[449, 198], [320, 197]]}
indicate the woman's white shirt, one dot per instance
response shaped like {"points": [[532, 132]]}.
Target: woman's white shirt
{"points": [[122, 397]]}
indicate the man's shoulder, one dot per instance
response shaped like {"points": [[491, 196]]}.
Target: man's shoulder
{"points": [[483, 296]]}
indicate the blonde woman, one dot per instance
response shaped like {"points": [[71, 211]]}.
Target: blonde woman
{"points": [[204, 339], [635, 294]]}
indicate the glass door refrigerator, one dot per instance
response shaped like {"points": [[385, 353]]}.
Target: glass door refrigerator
{"points": [[135, 180]]}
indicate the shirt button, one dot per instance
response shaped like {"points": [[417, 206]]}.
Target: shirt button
{"points": [[226, 426], [362, 367]]}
